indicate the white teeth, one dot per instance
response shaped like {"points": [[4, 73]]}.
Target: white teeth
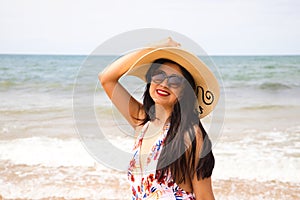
{"points": [[162, 92]]}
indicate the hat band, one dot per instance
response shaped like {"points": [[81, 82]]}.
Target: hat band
{"points": [[206, 96]]}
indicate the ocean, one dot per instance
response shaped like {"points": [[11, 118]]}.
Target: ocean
{"points": [[45, 155]]}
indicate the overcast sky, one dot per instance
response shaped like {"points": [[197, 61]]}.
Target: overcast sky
{"points": [[223, 27]]}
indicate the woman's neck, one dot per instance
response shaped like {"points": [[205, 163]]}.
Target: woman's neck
{"points": [[162, 114]]}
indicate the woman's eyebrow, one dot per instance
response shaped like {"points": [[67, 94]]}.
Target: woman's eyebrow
{"points": [[159, 70]]}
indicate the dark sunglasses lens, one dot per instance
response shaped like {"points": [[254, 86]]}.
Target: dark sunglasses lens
{"points": [[158, 78], [174, 81]]}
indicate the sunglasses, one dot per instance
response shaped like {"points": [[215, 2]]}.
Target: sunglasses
{"points": [[173, 81]]}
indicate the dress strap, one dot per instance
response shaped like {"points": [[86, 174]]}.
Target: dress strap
{"points": [[140, 136], [145, 128]]}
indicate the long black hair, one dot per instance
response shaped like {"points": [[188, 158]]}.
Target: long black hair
{"points": [[179, 153]]}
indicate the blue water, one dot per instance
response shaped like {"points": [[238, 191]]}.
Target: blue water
{"points": [[38, 73], [42, 85], [260, 72], [57, 73]]}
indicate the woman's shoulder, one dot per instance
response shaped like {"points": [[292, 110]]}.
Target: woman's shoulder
{"points": [[198, 132], [195, 135]]}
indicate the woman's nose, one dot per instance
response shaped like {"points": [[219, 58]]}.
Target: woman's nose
{"points": [[164, 83]]}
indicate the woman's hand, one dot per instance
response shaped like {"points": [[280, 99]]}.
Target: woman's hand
{"points": [[167, 42]]}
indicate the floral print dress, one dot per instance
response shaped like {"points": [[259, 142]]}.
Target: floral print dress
{"points": [[144, 184]]}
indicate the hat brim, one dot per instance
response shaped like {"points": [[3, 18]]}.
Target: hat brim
{"points": [[207, 87]]}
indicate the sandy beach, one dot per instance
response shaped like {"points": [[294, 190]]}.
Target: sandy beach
{"points": [[91, 183]]}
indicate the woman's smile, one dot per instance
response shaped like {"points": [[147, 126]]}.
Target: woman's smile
{"points": [[163, 93]]}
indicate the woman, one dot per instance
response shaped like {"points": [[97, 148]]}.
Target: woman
{"points": [[172, 154]]}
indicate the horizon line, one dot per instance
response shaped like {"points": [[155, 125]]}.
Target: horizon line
{"points": [[67, 54]]}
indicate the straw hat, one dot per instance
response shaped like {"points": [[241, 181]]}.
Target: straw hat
{"points": [[207, 87]]}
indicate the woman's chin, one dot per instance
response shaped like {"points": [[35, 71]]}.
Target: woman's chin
{"points": [[164, 102]]}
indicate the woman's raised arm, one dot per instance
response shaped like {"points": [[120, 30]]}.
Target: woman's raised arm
{"points": [[129, 107]]}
